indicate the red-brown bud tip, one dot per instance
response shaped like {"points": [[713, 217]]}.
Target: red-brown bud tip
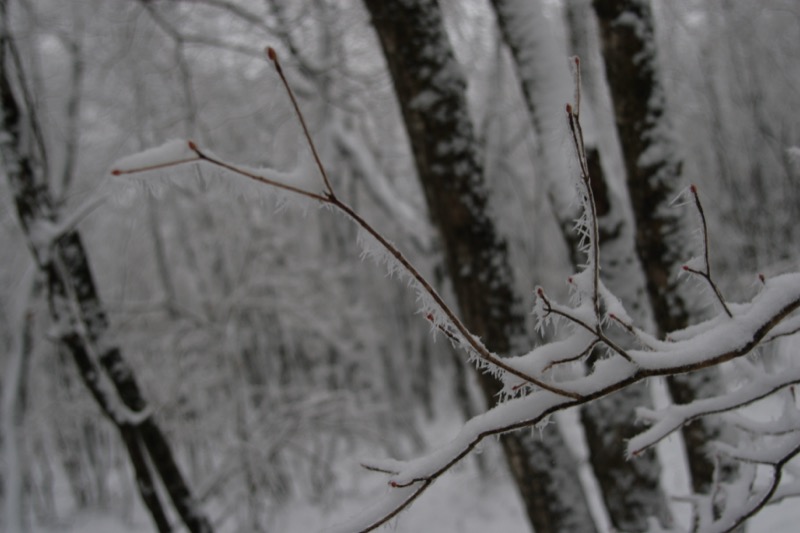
{"points": [[429, 316], [569, 280], [540, 292], [116, 172], [685, 267], [693, 188], [192, 146], [577, 61], [569, 109], [393, 484], [762, 278], [271, 54]]}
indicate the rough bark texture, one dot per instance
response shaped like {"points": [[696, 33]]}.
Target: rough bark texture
{"points": [[653, 174], [631, 489], [77, 309], [431, 92]]}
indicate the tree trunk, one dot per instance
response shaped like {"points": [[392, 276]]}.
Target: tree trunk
{"points": [[631, 489], [653, 170], [78, 311], [14, 393], [431, 91]]}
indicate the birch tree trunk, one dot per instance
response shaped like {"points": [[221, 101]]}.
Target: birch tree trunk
{"points": [[431, 92], [630, 489], [75, 304], [653, 170]]}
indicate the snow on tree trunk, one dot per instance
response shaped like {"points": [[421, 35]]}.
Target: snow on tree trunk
{"points": [[653, 171], [630, 489], [77, 310], [431, 91]]}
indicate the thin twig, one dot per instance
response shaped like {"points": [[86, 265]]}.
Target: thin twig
{"points": [[576, 62], [267, 181], [476, 345], [707, 263], [594, 231], [578, 357], [481, 351], [119, 172], [273, 56], [597, 331], [777, 474]]}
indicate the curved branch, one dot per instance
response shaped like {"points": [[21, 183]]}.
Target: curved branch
{"points": [[329, 198], [673, 417]]}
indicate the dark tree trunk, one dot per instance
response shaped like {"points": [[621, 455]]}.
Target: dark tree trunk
{"points": [[76, 307], [431, 92], [653, 171]]}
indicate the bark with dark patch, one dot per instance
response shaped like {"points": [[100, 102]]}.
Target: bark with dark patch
{"points": [[630, 489], [431, 91], [653, 171]]}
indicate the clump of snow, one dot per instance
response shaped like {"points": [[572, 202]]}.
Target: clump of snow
{"points": [[177, 163], [171, 152]]}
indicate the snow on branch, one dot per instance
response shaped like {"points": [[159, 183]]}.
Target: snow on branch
{"points": [[169, 154], [667, 420]]}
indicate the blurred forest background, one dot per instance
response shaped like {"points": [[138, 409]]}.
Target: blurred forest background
{"points": [[271, 355]]}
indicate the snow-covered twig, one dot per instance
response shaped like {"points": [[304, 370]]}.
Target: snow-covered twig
{"points": [[671, 418]]}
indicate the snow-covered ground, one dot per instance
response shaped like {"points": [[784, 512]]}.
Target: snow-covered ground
{"points": [[460, 502]]}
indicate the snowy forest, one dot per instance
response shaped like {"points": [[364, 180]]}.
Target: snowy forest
{"points": [[402, 265]]}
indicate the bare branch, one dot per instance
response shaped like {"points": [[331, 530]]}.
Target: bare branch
{"points": [[706, 272], [273, 56]]}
